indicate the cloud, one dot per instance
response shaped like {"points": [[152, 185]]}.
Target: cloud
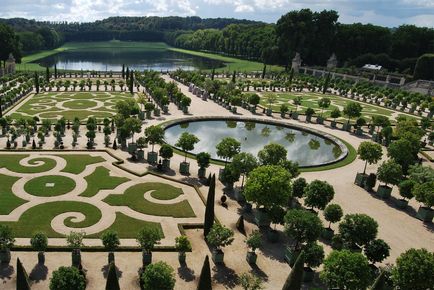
{"points": [[382, 12]]}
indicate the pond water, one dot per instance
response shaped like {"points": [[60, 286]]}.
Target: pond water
{"points": [[111, 59], [305, 148]]}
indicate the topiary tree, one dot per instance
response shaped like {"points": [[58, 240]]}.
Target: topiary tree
{"points": [[182, 245], [377, 250], [227, 148], [158, 276], [166, 151], [39, 242], [390, 172], [352, 110], [67, 278], [336, 113], [414, 269], [333, 213], [324, 103], [313, 254], [110, 240], [298, 187], [203, 160], [147, 238], [318, 194], [186, 142], [205, 276], [245, 163], [154, 135], [370, 153], [250, 282], [424, 193], [302, 227], [346, 270], [7, 241], [112, 278], [272, 154], [406, 188], [75, 242], [402, 152], [219, 237], [358, 229]]}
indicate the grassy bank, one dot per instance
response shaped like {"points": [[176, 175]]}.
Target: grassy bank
{"points": [[231, 63]]}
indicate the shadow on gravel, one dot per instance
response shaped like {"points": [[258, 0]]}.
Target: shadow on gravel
{"points": [[185, 273], [225, 276], [39, 273], [6, 271], [105, 270]]}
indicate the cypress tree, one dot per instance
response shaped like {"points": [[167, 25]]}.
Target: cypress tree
{"points": [[212, 74], [264, 70], [55, 71], [112, 278], [379, 281], [208, 181], [131, 83], [127, 75], [291, 75], [22, 277], [123, 71], [37, 82], [233, 76], [326, 84], [295, 277], [47, 74], [115, 145], [209, 210], [205, 276]]}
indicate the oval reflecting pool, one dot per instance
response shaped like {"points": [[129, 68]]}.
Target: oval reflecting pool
{"points": [[306, 148]]}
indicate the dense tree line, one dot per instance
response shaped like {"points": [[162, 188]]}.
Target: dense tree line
{"points": [[315, 35]]}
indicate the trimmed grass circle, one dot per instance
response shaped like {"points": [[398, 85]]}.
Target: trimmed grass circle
{"points": [[50, 185], [80, 104]]}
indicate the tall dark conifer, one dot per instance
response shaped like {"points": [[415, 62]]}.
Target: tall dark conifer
{"points": [[264, 70], [47, 74], [36, 82], [209, 210], [326, 83], [127, 74], [123, 71], [55, 71], [295, 277], [112, 278], [22, 277], [205, 276]]}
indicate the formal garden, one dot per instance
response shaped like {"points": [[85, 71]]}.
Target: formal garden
{"points": [[129, 178]]}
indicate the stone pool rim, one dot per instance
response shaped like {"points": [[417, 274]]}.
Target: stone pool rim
{"points": [[324, 135]]}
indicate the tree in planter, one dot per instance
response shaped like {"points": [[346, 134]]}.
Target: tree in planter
{"points": [[245, 162], [346, 270], [154, 135], [147, 238], [283, 110], [323, 103], [272, 154], [227, 148], [132, 125], [250, 282], [185, 103], [406, 191], [314, 256], [358, 230], [276, 215], [254, 241], [424, 193], [370, 153], [318, 194], [414, 269], [401, 151], [298, 187], [271, 99], [254, 100], [302, 227], [336, 113], [182, 245], [158, 276], [203, 160], [389, 172], [268, 186], [112, 278], [333, 214], [229, 176], [352, 110], [75, 242], [186, 142], [6, 242], [297, 102], [166, 152], [67, 278], [39, 242], [205, 276], [377, 250], [219, 237], [111, 242], [309, 113]]}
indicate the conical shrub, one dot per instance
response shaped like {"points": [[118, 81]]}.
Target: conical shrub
{"points": [[295, 277], [205, 276], [209, 210], [22, 277]]}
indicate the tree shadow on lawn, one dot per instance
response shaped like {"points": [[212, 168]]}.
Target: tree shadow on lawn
{"points": [[225, 276], [39, 273], [185, 273], [6, 271], [105, 271]]}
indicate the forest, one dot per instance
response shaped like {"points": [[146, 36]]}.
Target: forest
{"points": [[315, 35]]}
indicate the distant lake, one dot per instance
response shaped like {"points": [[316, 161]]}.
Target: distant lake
{"points": [[111, 59]]}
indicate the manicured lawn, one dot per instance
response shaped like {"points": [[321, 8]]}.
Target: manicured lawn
{"points": [[8, 200], [77, 163], [232, 63], [12, 163], [38, 218], [101, 179], [133, 198], [167, 194], [49, 185], [128, 227], [80, 104]]}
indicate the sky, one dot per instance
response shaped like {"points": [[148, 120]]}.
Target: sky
{"points": [[390, 13]]}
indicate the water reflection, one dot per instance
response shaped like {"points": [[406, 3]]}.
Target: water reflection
{"points": [[303, 147]]}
